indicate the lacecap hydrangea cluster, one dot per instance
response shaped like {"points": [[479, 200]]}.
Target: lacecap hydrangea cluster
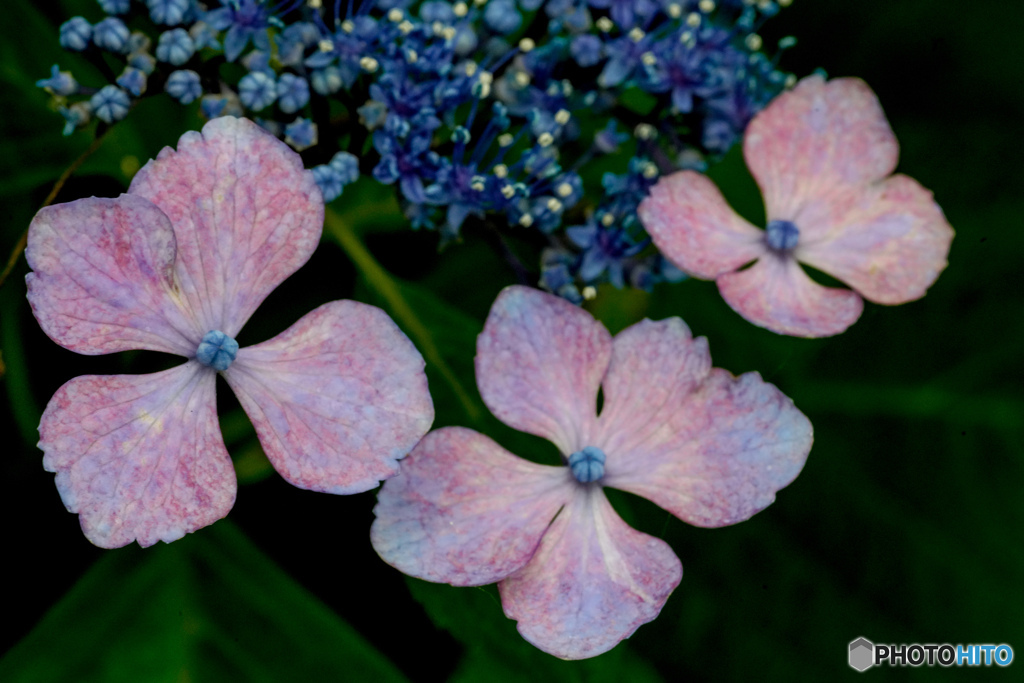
{"points": [[475, 111]]}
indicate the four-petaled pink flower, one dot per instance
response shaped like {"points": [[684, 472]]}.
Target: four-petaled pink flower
{"points": [[708, 447], [178, 264], [822, 155]]}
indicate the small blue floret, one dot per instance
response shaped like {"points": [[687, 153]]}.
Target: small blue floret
{"points": [[782, 235], [300, 134], [184, 85], [110, 104], [59, 82], [175, 47], [292, 93], [168, 12], [587, 465], [75, 34], [217, 350], [111, 34], [257, 90], [114, 6]]}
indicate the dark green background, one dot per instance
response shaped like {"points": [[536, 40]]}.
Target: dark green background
{"points": [[905, 525]]}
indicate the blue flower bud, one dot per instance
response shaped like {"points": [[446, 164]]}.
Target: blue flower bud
{"points": [[782, 236], [300, 134], [347, 167], [133, 80], [329, 182], [257, 90], [110, 104], [175, 47], [111, 34], [292, 93], [326, 81], [114, 6], [75, 34], [167, 12], [587, 465], [217, 350], [502, 17], [59, 82], [184, 86], [78, 114]]}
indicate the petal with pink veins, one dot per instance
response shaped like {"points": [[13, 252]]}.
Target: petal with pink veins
{"points": [[592, 583], [539, 364], [465, 511], [337, 399], [718, 454], [775, 293], [245, 213], [139, 457], [817, 137], [889, 241], [693, 226], [103, 278]]}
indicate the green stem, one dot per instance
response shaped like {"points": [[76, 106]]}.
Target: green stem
{"points": [[388, 288]]}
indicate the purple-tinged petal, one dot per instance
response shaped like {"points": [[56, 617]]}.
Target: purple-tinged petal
{"points": [[245, 213], [465, 511], [592, 583], [693, 226], [889, 240], [337, 399], [816, 137], [710, 448], [104, 279], [655, 367], [777, 294], [139, 457], [539, 365]]}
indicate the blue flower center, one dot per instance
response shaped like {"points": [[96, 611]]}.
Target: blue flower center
{"points": [[587, 465], [782, 236], [217, 350]]}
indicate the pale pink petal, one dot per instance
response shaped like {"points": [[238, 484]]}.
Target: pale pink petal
{"points": [[139, 457], [889, 240], [592, 582], [337, 399], [816, 137], [693, 226], [777, 294], [718, 454], [465, 511], [539, 364], [244, 211], [655, 367], [104, 280]]}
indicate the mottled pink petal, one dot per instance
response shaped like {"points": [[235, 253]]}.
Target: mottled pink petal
{"points": [[337, 399], [777, 294], [711, 449], [815, 137], [104, 280], [889, 240], [539, 365], [139, 457], [592, 582], [244, 211], [465, 511], [693, 226]]}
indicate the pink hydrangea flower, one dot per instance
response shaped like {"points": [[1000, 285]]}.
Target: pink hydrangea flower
{"points": [[708, 447], [178, 264], [822, 154]]}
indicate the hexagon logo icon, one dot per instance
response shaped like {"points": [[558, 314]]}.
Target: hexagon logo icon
{"points": [[862, 654]]}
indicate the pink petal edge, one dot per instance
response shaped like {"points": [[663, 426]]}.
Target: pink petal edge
{"points": [[814, 138], [139, 457], [245, 213], [103, 278], [539, 365], [710, 448], [337, 399], [775, 293], [888, 241], [592, 583], [693, 226], [465, 511]]}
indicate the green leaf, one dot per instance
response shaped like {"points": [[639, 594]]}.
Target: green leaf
{"points": [[209, 607]]}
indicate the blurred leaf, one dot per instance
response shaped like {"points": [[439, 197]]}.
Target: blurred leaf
{"points": [[16, 379], [209, 607]]}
